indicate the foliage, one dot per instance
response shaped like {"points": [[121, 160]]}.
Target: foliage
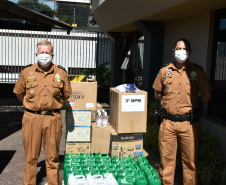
{"points": [[210, 163], [102, 73], [151, 136], [36, 6]]}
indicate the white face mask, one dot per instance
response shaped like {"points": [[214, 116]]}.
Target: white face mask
{"points": [[181, 55], [44, 59]]}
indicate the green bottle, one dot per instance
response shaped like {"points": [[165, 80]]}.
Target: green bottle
{"points": [[149, 170], [141, 158], [154, 180], [67, 172], [114, 172], [67, 157], [122, 160], [127, 180], [141, 180], [74, 155], [144, 164]]}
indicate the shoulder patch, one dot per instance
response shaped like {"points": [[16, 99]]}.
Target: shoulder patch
{"points": [[164, 65], [27, 66], [61, 67], [200, 67]]}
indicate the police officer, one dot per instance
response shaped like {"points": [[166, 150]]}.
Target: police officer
{"points": [[178, 86], [42, 88]]}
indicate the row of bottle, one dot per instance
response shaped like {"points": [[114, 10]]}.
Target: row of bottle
{"points": [[101, 118], [92, 180], [124, 177], [123, 169]]}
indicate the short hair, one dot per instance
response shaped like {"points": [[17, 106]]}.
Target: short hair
{"points": [[45, 43], [186, 42]]}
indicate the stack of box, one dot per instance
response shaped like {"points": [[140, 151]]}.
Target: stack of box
{"points": [[128, 116], [78, 116], [100, 141]]}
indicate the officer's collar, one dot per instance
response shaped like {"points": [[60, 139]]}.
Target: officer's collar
{"points": [[37, 68], [173, 66]]}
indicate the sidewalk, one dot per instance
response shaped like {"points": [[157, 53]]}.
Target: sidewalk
{"points": [[12, 152]]}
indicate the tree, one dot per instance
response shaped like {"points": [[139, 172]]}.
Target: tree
{"points": [[36, 6]]}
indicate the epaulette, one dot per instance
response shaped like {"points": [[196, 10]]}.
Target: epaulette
{"points": [[61, 67], [164, 65], [27, 66], [198, 66]]}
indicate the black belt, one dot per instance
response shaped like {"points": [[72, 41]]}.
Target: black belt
{"points": [[177, 118], [43, 112]]}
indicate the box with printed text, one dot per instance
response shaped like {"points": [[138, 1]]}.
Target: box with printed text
{"points": [[72, 147], [78, 134], [123, 145], [128, 111], [84, 96], [78, 118]]}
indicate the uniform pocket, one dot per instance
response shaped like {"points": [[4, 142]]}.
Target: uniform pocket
{"points": [[57, 87], [191, 87], [31, 90]]}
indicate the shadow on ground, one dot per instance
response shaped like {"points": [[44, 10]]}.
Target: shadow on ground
{"points": [[41, 175], [5, 158], [10, 122]]}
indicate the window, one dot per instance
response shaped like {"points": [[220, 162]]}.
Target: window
{"points": [[217, 106]]}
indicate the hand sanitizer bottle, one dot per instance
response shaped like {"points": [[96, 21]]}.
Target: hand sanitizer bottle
{"points": [[99, 119], [105, 119]]}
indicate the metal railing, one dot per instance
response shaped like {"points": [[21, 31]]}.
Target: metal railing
{"points": [[75, 52]]}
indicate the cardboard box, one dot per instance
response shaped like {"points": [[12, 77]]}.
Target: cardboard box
{"points": [[81, 133], [78, 118], [128, 111], [126, 144], [84, 96], [77, 148], [100, 142]]}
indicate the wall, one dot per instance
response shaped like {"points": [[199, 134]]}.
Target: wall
{"points": [[196, 30], [96, 3]]}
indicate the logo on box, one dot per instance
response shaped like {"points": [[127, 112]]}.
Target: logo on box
{"points": [[77, 95]]}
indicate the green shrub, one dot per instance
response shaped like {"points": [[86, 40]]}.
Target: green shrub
{"points": [[210, 163], [102, 73]]}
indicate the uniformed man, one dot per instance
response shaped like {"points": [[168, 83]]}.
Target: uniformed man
{"points": [[180, 86], [43, 88]]}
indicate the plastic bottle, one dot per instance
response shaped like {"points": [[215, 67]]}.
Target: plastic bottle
{"points": [[93, 179], [141, 180], [105, 119], [77, 180], [102, 112], [110, 180], [154, 180], [99, 119]]}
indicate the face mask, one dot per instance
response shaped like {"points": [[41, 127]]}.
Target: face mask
{"points": [[44, 59], [181, 55]]}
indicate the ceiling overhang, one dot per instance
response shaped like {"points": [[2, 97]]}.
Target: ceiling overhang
{"points": [[119, 15], [14, 16]]}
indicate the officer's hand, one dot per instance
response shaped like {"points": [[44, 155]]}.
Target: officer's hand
{"points": [[158, 94], [205, 97]]}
